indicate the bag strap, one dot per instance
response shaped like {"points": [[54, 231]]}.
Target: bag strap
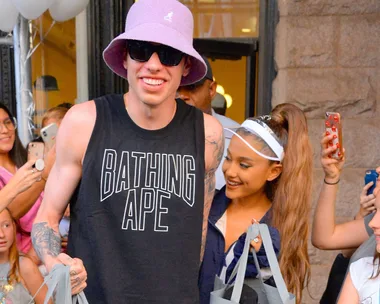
{"points": [[58, 282], [241, 265], [273, 263]]}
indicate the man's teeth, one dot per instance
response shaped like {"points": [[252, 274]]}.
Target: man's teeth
{"points": [[153, 81]]}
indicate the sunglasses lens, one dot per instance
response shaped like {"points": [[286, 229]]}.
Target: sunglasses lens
{"points": [[139, 51], [142, 51], [169, 56]]}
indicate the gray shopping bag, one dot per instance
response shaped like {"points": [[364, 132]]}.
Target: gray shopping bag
{"points": [[58, 282], [267, 294]]}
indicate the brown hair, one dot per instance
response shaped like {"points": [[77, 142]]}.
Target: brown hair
{"points": [[14, 256], [56, 113], [18, 153], [376, 273], [290, 193], [292, 197]]}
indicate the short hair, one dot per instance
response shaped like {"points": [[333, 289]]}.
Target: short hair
{"points": [[56, 113]]}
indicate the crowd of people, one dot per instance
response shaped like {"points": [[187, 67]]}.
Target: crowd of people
{"points": [[159, 190]]}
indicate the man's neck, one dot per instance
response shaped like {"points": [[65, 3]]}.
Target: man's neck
{"points": [[150, 117]]}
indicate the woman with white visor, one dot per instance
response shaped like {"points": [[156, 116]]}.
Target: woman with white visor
{"points": [[268, 170]]}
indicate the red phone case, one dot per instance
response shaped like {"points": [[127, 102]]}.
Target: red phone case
{"points": [[333, 125]]}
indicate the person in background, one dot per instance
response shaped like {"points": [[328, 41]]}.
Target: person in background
{"points": [[329, 235], [363, 280], [268, 172], [19, 276], [219, 104], [340, 265], [13, 156], [200, 95], [54, 115], [24, 178]]}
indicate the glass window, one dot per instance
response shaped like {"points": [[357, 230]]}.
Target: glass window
{"points": [[53, 59], [224, 18]]}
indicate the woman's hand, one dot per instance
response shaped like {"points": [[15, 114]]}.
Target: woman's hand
{"points": [[367, 202], [257, 241], [24, 178], [332, 167]]}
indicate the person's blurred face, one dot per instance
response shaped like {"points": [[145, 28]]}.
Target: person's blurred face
{"points": [[50, 121], [245, 172], [7, 132], [199, 96], [375, 223], [377, 188], [152, 82], [7, 231]]}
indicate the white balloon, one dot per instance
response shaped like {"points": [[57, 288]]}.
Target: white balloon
{"points": [[32, 9], [63, 10], [8, 15]]}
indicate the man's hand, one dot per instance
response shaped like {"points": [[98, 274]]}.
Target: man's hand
{"points": [[78, 274]]}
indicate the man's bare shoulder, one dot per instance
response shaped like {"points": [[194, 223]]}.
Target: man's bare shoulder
{"points": [[212, 126], [81, 112], [214, 142]]}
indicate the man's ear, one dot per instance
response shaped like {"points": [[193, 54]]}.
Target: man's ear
{"points": [[186, 67], [125, 56], [212, 89], [274, 171]]}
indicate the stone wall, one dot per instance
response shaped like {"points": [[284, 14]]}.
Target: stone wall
{"points": [[328, 59]]}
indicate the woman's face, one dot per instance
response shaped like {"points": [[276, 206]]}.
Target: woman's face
{"points": [[375, 223], [7, 135], [245, 171], [7, 231], [377, 188]]}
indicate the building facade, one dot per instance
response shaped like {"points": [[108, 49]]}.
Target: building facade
{"points": [[328, 59]]}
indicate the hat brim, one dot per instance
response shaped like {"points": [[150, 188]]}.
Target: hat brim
{"points": [[113, 54]]}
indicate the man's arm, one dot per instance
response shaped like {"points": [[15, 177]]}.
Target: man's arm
{"points": [[214, 147], [71, 143]]}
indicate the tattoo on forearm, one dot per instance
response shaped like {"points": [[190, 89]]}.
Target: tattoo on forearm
{"points": [[217, 152], [46, 241]]}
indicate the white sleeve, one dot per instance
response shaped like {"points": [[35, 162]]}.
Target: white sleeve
{"points": [[361, 271]]}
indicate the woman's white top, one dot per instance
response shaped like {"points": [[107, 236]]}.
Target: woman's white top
{"points": [[361, 272]]}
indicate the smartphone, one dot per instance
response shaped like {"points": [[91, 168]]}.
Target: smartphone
{"points": [[371, 176], [48, 135], [333, 125], [36, 150]]}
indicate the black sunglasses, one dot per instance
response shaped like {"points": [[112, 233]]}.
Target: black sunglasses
{"points": [[142, 51]]}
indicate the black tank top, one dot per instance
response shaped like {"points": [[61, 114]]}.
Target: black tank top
{"points": [[136, 217]]}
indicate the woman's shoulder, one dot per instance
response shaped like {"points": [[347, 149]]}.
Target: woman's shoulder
{"points": [[362, 270]]}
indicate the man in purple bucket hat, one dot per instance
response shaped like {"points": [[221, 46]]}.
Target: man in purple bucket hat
{"points": [[138, 170]]}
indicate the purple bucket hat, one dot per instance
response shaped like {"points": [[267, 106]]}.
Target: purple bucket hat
{"points": [[167, 22]]}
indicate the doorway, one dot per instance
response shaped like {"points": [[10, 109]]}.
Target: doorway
{"points": [[233, 61]]}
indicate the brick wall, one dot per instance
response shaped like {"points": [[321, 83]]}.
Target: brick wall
{"points": [[328, 59]]}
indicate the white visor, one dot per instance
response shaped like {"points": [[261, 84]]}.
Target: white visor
{"points": [[260, 129]]}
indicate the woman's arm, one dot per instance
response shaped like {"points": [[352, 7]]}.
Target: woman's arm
{"points": [[24, 201], [33, 280], [349, 293], [326, 234], [24, 178]]}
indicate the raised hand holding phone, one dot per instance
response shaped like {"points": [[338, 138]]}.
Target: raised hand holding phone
{"points": [[333, 127], [49, 134]]}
